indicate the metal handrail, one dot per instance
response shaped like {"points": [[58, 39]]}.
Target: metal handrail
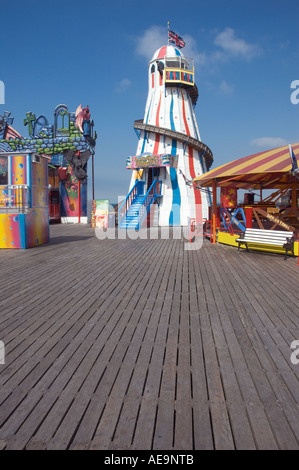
{"points": [[147, 201], [123, 209], [180, 72], [128, 195]]}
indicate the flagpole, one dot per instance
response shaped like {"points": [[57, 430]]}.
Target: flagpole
{"points": [[168, 33]]}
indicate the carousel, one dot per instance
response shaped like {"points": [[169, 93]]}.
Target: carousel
{"points": [[269, 182]]}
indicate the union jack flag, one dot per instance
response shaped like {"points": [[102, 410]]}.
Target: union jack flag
{"points": [[175, 39]]}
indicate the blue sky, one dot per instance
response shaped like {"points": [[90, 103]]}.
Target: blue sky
{"points": [[74, 52]]}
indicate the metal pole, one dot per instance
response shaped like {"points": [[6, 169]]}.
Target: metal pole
{"points": [[214, 210], [294, 195], [93, 177], [79, 203]]}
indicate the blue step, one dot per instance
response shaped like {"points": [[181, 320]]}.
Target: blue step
{"points": [[131, 219]]}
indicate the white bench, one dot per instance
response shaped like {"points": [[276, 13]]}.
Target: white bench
{"points": [[267, 237]]}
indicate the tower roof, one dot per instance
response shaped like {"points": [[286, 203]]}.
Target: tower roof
{"points": [[167, 51]]}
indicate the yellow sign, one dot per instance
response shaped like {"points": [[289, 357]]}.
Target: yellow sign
{"points": [[276, 220]]}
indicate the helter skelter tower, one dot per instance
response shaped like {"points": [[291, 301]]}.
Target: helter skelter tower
{"points": [[169, 152]]}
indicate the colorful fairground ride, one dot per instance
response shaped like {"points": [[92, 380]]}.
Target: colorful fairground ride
{"points": [[267, 213], [43, 177], [170, 152]]}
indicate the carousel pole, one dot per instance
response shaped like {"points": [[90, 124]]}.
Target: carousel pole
{"points": [[294, 206], [79, 202], [79, 195], [214, 210], [294, 196], [93, 176]]}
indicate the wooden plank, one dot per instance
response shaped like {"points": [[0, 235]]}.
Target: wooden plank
{"points": [[174, 349], [263, 384]]}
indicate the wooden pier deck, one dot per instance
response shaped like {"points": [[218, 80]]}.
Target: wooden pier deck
{"points": [[140, 344]]}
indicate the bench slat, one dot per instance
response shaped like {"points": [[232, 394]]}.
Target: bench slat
{"points": [[262, 237], [256, 237], [276, 232], [265, 236]]}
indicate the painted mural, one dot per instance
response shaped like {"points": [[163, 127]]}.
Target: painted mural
{"points": [[3, 170], [229, 197], [100, 213], [68, 143], [25, 164]]}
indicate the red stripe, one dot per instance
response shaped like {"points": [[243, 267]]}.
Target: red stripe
{"points": [[184, 116], [228, 166], [157, 141], [162, 52], [158, 111], [197, 193], [281, 166], [243, 160], [191, 162], [265, 160], [285, 165]]}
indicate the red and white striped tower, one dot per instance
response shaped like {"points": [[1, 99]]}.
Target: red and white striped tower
{"points": [[169, 127]]}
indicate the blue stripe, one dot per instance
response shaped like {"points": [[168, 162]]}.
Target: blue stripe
{"points": [[22, 228], [194, 127], [174, 216], [146, 121], [143, 144], [201, 162], [171, 114]]}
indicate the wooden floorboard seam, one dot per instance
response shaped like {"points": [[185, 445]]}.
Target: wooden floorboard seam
{"points": [[141, 344]]}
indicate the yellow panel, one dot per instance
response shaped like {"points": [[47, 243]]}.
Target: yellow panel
{"points": [[228, 239]]}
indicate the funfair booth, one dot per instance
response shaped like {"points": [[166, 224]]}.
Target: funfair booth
{"points": [[24, 206], [270, 184]]}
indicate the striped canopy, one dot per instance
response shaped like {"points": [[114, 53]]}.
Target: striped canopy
{"points": [[271, 169]]}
